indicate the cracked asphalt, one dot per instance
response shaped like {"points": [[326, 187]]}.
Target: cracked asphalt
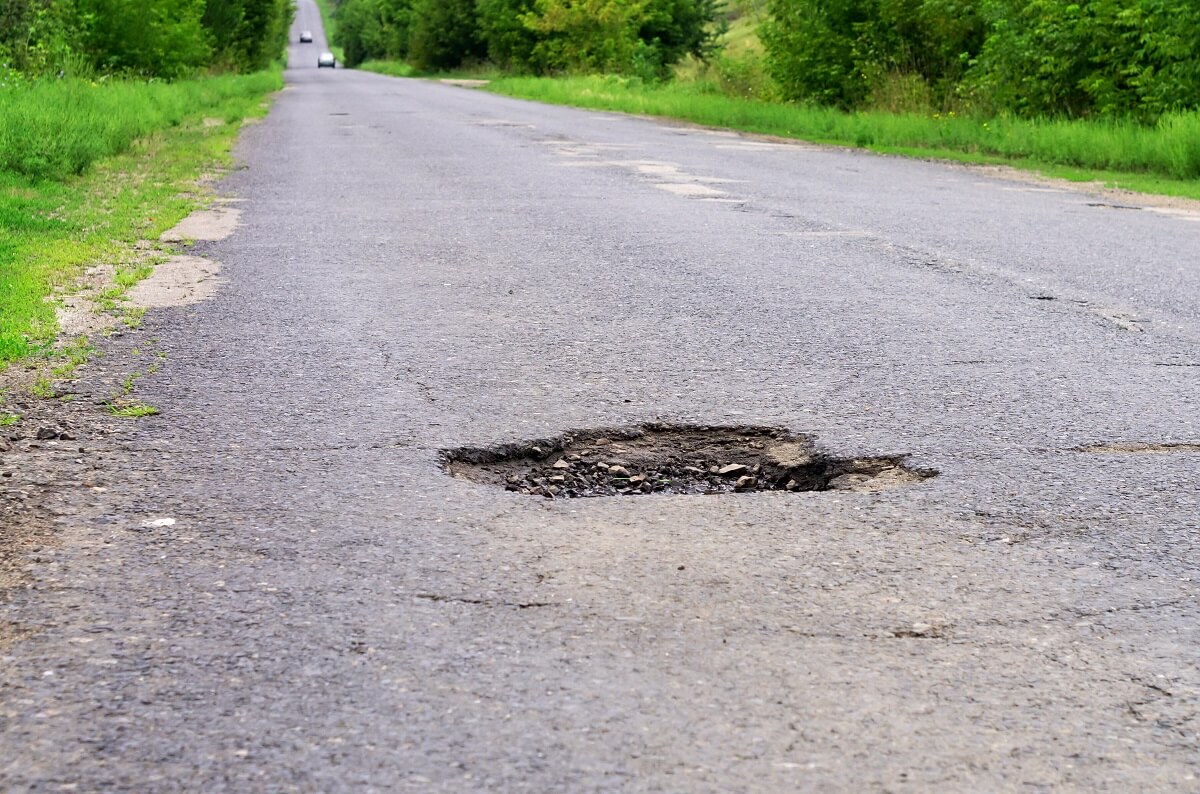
{"points": [[420, 266]]}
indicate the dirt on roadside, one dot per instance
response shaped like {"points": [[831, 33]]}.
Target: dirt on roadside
{"points": [[64, 432]]}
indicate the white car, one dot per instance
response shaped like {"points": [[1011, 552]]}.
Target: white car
{"points": [[326, 59], [306, 37]]}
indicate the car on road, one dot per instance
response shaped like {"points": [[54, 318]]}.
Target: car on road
{"points": [[326, 59], [306, 37]]}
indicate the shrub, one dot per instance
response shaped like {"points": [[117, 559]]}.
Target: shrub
{"points": [[443, 34]]}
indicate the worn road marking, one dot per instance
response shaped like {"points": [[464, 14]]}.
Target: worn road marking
{"points": [[688, 189]]}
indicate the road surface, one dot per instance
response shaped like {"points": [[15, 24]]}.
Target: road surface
{"points": [[274, 585]]}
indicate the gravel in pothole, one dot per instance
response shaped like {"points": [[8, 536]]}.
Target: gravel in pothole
{"points": [[673, 459]]}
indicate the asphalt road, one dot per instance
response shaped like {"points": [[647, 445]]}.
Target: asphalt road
{"points": [[421, 266]]}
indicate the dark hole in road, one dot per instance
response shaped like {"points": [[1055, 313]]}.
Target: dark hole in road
{"points": [[675, 459]]}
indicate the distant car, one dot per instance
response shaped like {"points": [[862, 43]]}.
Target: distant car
{"points": [[306, 37], [326, 59]]}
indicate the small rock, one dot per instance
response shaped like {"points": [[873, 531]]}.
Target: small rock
{"points": [[572, 457], [601, 442], [618, 471], [693, 469], [46, 433], [637, 479], [557, 478], [66, 435], [562, 463], [733, 469], [792, 485], [746, 483], [790, 455]]}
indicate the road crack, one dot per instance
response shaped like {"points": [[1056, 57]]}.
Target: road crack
{"points": [[484, 601]]}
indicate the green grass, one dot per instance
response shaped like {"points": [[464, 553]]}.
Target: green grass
{"points": [[131, 410], [88, 170], [1162, 159], [51, 129], [390, 68], [9, 419]]}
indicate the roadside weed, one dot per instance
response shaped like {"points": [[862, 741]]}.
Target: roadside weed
{"points": [[133, 410], [43, 387], [133, 316]]}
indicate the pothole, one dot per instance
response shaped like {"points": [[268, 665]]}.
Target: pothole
{"points": [[675, 459]]}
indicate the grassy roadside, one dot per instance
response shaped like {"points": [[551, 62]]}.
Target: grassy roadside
{"points": [[137, 170], [1164, 159]]}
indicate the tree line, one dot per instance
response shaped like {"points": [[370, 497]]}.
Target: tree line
{"points": [[641, 37], [151, 38]]}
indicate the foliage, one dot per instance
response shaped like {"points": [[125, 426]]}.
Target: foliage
{"points": [[840, 52], [642, 37], [1032, 57], [443, 34], [38, 36], [373, 29], [152, 38], [247, 35], [165, 38], [1106, 57], [509, 42]]}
